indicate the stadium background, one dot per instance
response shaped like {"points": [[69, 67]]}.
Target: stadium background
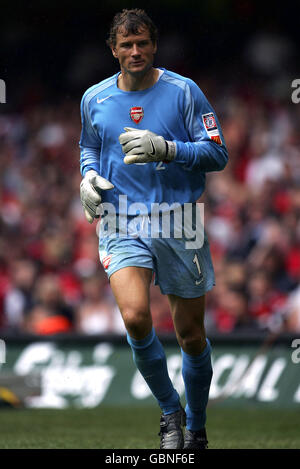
{"points": [[245, 58]]}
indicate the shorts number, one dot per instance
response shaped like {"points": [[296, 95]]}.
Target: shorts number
{"points": [[196, 261]]}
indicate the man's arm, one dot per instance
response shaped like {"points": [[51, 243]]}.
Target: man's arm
{"points": [[92, 183], [89, 143], [206, 151]]}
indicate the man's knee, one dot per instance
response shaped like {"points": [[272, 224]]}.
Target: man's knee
{"points": [[193, 342], [138, 322]]}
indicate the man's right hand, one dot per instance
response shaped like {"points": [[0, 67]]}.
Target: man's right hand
{"points": [[90, 188]]}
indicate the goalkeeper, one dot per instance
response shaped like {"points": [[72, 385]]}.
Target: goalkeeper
{"points": [[150, 135]]}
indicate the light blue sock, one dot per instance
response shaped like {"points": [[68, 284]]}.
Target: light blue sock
{"points": [[150, 359], [197, 375]]}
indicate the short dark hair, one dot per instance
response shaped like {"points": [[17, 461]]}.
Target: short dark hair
{"points": [[132, 21]]}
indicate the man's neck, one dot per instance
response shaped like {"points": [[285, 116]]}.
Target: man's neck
{"points": [[130, 82]]}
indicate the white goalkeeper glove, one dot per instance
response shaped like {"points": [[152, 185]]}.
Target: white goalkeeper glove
{"points": [[90, 188], [143, 146]]}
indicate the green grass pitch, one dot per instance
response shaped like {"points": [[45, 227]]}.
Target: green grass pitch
{"points": [[137, 427]]}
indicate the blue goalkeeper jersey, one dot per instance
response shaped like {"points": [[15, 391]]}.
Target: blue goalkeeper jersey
{"points": [[175, 108]]}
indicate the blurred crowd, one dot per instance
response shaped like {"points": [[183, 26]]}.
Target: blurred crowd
{"points": [[51, 280]]}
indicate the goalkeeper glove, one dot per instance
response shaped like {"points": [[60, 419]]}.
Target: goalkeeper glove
{"points": [[143, 146], [90, 188]]}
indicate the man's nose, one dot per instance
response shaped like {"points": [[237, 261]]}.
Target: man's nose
{"points": [[135, 50]]}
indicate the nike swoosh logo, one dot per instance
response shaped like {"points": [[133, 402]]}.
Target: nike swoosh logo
{"points": [[103, 99], [197, 282], [153, 149]]}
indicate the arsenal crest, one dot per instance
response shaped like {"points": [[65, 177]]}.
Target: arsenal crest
{"points": [[136, 114]]}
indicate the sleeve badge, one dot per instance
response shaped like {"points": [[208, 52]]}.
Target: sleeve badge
{"points": [[211, 127]]}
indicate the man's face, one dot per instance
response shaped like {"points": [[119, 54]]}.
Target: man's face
{"points": [[135, 52]]}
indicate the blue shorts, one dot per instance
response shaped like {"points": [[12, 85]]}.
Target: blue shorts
{"points": [[187, 273]]}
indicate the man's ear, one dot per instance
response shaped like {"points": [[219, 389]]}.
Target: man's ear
{"points": [[114, 53]]}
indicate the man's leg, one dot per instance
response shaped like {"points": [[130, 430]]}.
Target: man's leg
{"points": [[130, 287], [188, 318]]}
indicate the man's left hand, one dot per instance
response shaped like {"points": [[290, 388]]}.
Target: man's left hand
{"points": [[144, 146]]}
